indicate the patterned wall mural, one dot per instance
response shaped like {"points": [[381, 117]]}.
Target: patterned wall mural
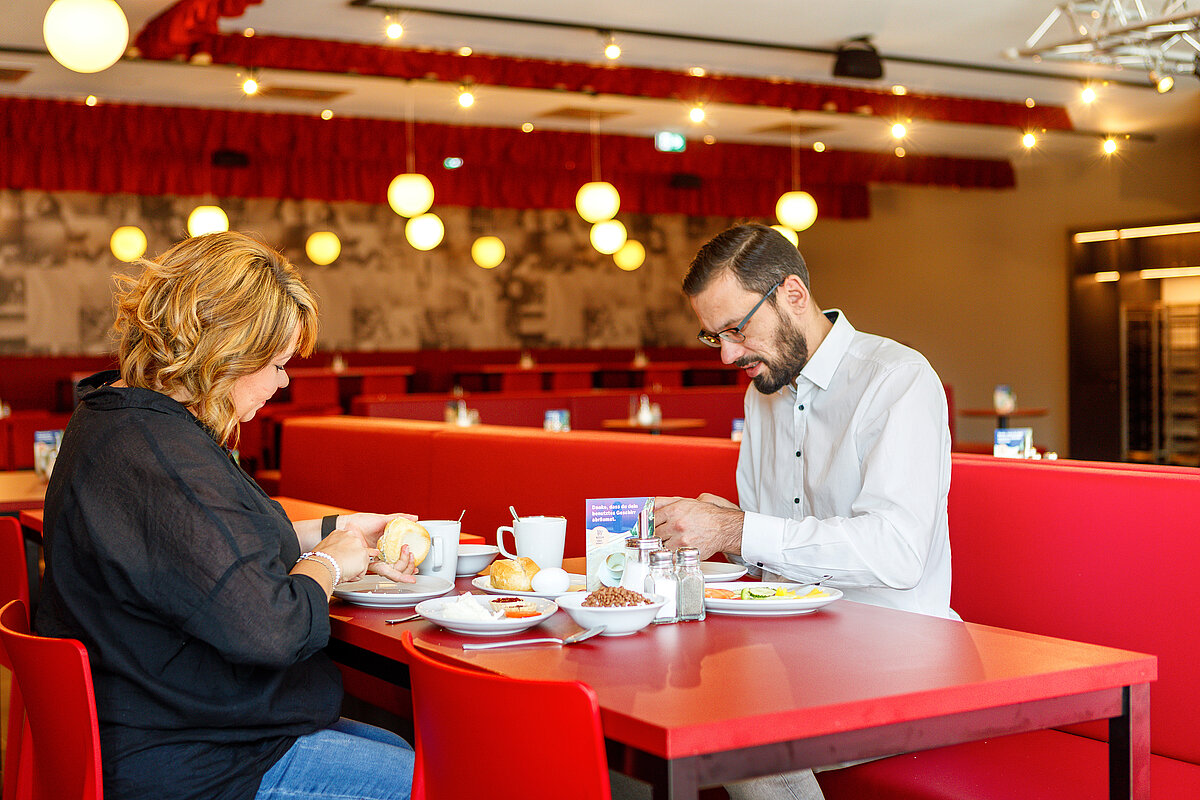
{"points": [[552, 290]]}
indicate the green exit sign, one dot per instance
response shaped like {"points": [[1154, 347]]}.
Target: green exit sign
{"points": [[669, 142]]}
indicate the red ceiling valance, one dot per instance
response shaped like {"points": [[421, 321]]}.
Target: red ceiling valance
{"points": [[57, 145], [190, 27]]}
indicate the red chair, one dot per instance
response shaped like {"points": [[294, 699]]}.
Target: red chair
{"points": [[55, 679], [14, 585], [562, 756]]}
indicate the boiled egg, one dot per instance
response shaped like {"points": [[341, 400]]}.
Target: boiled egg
{"points": [[551, 580]]}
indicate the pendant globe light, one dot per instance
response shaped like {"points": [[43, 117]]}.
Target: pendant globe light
{"points": [[128, 243], [85, 35], [631, 255], [608, 236], [207, 219], [410, 194], [487, 252], [323, 248], [788, 234], [425, 231], [796, 209], [597, 200]]}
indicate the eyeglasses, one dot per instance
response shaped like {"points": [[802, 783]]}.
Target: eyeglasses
{"points": [[735, 334]]}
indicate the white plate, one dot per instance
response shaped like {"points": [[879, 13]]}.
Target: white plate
{"points": [[721, 571], [377, 591], [771, 607], [431, 610], [484, 583]]}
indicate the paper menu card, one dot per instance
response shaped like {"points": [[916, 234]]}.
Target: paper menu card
{"points": [[1013, 443], [609, 522]]}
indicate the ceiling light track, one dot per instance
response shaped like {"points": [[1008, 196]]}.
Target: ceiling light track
{"points": [[607, 30]]}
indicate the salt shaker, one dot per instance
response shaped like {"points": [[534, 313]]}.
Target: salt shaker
{"points": [[637, 562], [690, 604], [662, 576]]}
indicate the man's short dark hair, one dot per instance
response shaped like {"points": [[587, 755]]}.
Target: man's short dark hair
{"points": [[757, 255]]}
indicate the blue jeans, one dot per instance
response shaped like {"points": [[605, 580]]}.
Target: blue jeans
{"points": [[348, 760]]}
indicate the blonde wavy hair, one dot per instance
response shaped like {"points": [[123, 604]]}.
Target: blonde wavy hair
{"points": [[210, 310]]}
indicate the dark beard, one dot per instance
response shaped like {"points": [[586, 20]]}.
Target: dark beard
{"points": [[793, 355]]}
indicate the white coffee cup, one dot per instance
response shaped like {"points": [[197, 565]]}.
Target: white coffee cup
{"points": [[539, 538], [442, 560]]}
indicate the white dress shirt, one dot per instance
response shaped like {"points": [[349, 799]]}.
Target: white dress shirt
{"points": [[845, 472]]}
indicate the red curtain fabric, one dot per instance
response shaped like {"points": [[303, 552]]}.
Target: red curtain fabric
{"points": [[57, 145], [177, 30]]}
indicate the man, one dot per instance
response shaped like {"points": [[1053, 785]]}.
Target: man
{"points": [[844, 465]]}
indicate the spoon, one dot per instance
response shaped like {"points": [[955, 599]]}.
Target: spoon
{"points": [[577, 636], [460, 516], [513, 511]]}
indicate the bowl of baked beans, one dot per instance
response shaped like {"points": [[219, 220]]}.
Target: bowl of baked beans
{"points": [[619, 611]]}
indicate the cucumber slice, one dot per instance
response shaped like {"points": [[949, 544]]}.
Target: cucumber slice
{"points": [[758, 593]]}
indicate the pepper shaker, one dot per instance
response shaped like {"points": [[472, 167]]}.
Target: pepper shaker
{"points": [[690, 604]]}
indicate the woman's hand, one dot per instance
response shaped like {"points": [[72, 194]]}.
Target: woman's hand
{"points": [[349, 549], [403, 570], [370, 525]]}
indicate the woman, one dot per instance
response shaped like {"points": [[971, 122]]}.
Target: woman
{"points": [[203, 609]]}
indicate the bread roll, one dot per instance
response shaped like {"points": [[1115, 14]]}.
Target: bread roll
{"points": [[400, 532], [514, 575]]}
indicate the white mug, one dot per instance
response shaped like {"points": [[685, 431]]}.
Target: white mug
{"points": [[539, 538], [442, 560]]}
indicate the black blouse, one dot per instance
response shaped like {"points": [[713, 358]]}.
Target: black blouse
{"points": [[171, 566]]}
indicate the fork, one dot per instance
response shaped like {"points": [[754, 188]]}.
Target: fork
{"points": [[409, 618]]}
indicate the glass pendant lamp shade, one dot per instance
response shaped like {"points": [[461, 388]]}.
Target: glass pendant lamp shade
{"points": [[128, 243], [788, 234], [608, 236], [85, 35], [597, 201], [323, 248], [207, 219], [410, 194], [631, 255], [424, 231], [487, 252], [796, 210]]}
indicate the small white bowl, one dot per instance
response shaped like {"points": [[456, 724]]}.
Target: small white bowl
{"points": [[617, 620], [474, 557]]}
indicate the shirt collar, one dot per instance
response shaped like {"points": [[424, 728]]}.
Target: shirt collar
{"points": [[824, 361]]}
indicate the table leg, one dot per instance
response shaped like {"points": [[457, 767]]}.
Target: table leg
{"points": [[1129, 747], [676, 781]]}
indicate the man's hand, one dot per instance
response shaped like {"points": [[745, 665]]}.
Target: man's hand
{"points": [[709, 523]]}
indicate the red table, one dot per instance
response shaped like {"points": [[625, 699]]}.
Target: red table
{"points": [[662, 426], [535, 377], [21, 489], [329, 386], [697, 704]]}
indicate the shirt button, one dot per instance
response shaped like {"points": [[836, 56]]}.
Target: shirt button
{"points": [[797, 454], [796, 500], [801, 406]]}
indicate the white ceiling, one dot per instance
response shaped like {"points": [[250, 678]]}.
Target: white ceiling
{"points": [[973, 33]]}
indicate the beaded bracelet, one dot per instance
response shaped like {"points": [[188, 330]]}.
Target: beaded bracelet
{"points": [[329, 561]]}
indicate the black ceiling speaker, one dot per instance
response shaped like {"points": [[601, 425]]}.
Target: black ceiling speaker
{"points": [[233, 159], [857, 58], [685, 180]]}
